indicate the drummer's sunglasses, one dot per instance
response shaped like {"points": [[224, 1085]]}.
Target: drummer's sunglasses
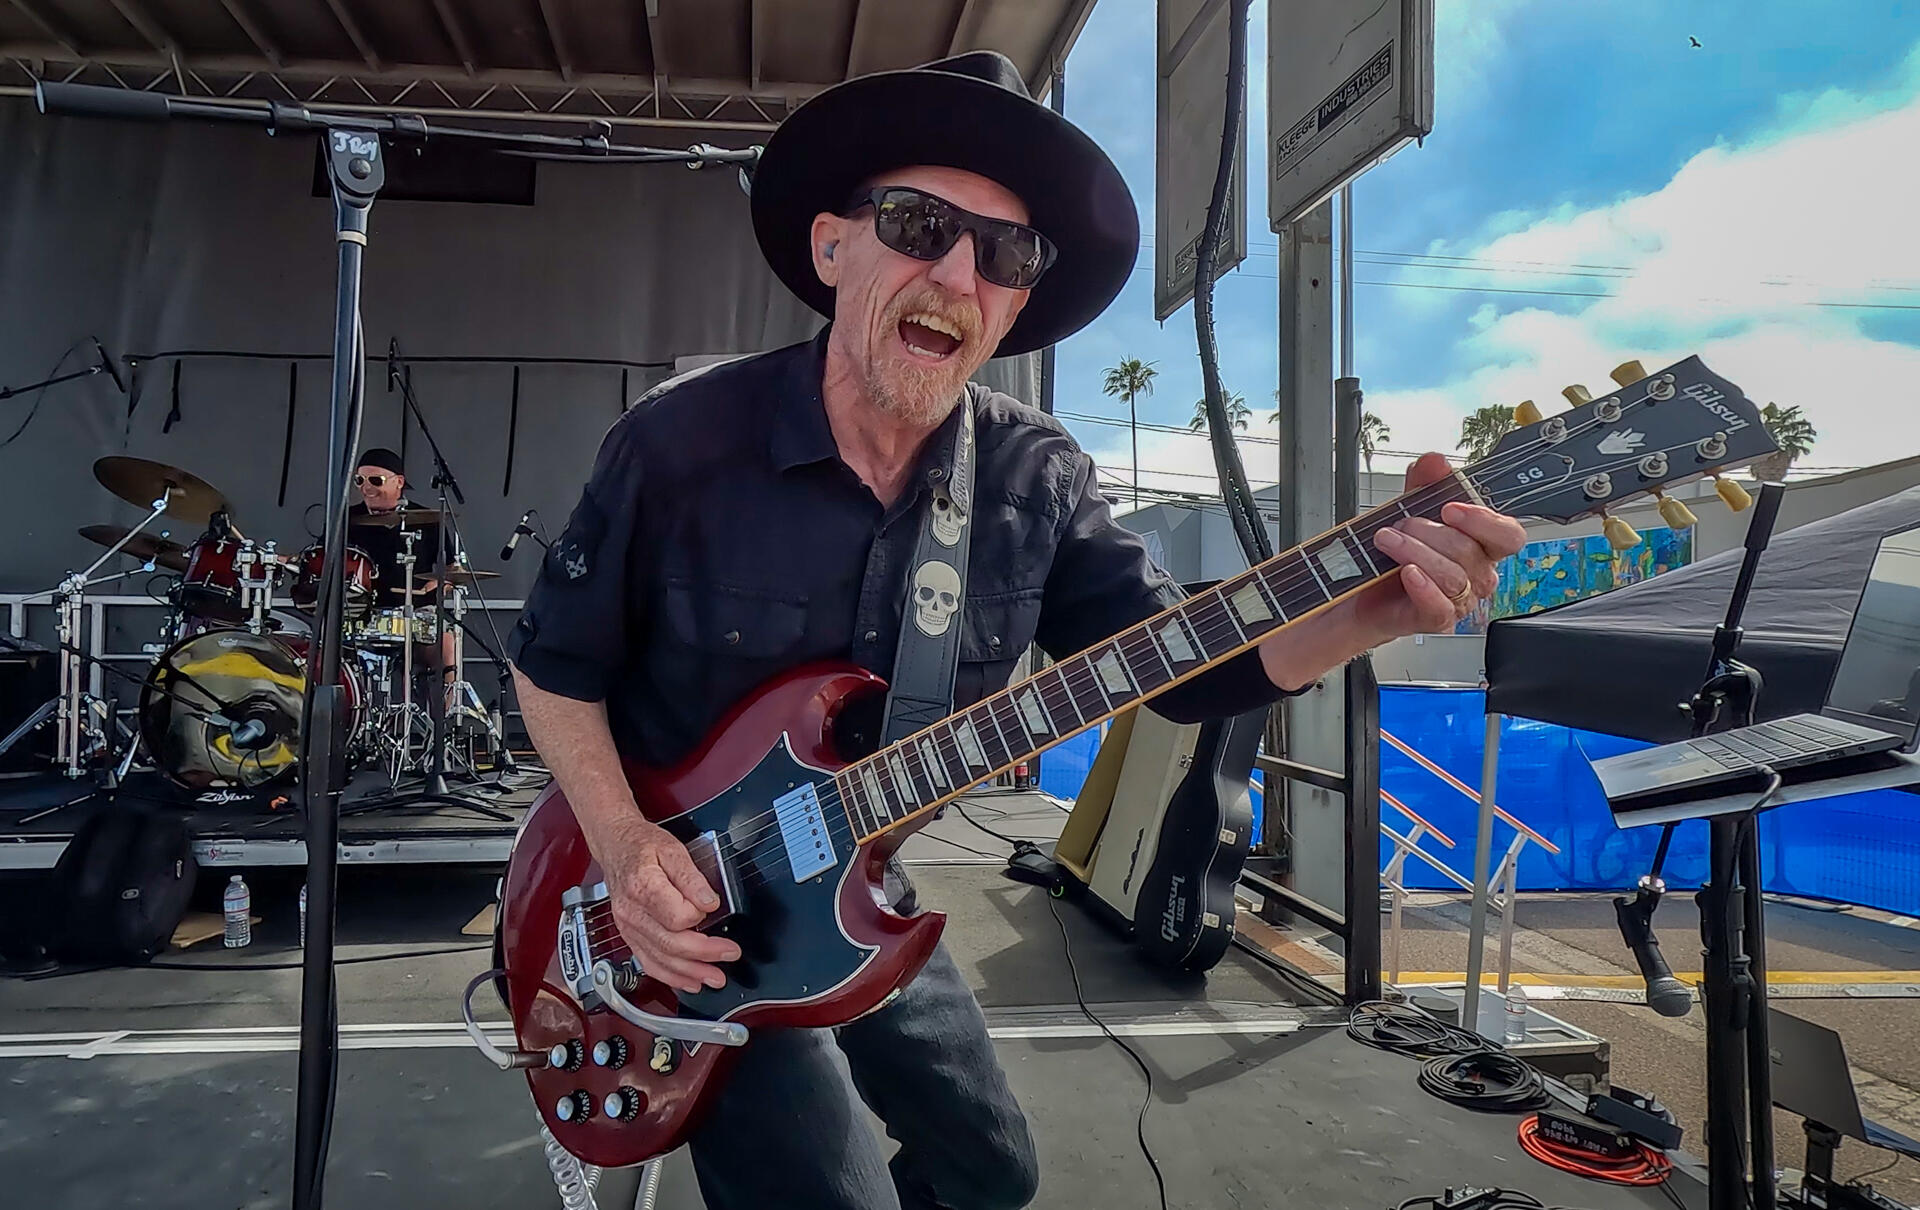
{"points": [[375, 480], [926, 227]]}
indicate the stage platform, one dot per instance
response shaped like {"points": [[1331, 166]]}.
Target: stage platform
{"points": [[39, 814], [184, 1076]]}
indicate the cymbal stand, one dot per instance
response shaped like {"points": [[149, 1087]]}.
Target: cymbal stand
{"points": [[73, 704], [256, 591]]}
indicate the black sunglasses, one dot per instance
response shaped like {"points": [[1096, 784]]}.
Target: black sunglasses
{"points": [[926, 227]]}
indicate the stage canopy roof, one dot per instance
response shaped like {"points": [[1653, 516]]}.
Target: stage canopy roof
{"points": [[711, 64], [1618, 663]]}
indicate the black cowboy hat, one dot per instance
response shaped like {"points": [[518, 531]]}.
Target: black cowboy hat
{"points": [[971, 112]]}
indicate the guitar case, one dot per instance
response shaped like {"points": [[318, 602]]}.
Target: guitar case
{"points": [[1183, 919], [1161, 829]]}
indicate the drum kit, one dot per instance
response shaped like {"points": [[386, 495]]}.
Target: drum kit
{"points": [[220, 705]]}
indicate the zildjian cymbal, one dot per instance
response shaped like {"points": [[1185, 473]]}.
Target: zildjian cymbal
{"points": [[162, 552], [190, 499]]}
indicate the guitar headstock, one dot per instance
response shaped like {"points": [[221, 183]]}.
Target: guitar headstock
{"points": [[1656, 430]]}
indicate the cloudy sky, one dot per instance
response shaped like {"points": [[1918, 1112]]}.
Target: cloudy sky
{"points": [[1595, 188]]}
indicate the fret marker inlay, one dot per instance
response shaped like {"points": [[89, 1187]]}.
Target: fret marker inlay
{"points": [[898, 768], [1034, 713], [1337, 561], [875, 796], [936, 769], [1113, 675], [1249, 604], [1175, 639], [969, 745]]}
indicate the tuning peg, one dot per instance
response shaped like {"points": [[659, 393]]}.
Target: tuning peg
{"points": [[1628, 372], [1674, 513], [1620, 535], [1736, 496], [1577, 394], [1526, 413]]}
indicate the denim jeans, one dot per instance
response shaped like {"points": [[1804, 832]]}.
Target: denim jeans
{"points": [[786, 1132]]}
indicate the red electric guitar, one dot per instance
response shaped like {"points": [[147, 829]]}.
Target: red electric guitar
{"points": [[793, 838]]}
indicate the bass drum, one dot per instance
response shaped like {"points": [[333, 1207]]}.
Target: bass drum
{"points": [[246, 677]]}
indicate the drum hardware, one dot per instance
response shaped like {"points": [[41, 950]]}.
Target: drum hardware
{"points": [[399, 518]]}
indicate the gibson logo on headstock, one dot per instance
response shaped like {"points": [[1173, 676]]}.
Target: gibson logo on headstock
{"points": [[1709, 399]]}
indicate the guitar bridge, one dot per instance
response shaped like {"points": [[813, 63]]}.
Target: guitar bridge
{"points": [[584, 911]]}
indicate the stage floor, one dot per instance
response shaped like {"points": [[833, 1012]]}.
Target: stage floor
{"points": [[185, 1077]]}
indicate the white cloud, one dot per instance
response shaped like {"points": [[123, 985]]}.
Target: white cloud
{"points": [[1758, 257]]}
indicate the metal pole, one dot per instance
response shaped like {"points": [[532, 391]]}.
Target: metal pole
{"points": [[1133, 430], [1482, 860], [1346, 281], [1059, 101]]}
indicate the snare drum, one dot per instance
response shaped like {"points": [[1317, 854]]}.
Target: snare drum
{"points": [[359, 581], [210, 588], [388, 628]]}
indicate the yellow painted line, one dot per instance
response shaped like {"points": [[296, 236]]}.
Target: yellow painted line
{"points": [[1631, 982]]}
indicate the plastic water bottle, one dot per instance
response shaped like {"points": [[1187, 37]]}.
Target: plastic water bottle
{"points": [[238, 905], [303, 917], [1516, 1015]]}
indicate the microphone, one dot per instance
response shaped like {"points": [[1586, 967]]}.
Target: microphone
{"points": [[243, 735], [106, 363], [1666, 995], [393, 363], [519, 531]]}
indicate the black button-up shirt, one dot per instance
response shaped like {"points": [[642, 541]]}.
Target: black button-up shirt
{"points": [[721, 541]]}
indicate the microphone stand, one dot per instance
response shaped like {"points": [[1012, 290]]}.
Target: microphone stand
{"points": [[443, 483], [355, 171], [1734, 982]]}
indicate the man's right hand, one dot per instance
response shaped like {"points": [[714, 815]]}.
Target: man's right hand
{"points": [[658, 896]]}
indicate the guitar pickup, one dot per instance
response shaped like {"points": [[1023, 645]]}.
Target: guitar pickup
{"points": [[718, 870]]}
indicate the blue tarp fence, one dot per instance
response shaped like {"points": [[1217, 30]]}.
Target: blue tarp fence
{"points": [[1859, 848]]}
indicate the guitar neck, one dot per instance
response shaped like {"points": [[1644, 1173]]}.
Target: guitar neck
{"points": [[917, 774]]}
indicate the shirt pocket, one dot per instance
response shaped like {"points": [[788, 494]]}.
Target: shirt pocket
{"points": [[994, 632], [743, 623]]}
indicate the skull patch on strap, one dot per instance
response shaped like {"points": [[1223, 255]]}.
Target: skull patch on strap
{"points": [[936, 597]]}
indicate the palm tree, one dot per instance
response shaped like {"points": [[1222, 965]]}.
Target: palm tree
{"points": [[1374, 433], [1792, 432], [1238, 413], [1129, 380], [1482, 430]]}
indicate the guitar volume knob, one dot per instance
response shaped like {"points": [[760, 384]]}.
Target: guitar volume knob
{"points": [[567, 1056], [623, 1104], [611, 1052], [576, 1106]]}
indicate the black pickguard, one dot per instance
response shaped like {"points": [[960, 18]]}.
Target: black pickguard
{"points": [[789, 935]]}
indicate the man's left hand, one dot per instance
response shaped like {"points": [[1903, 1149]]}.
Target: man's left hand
{"points": [[1447, 567]]}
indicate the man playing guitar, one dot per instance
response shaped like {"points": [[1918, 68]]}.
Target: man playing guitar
{"points": [[761, 514]]}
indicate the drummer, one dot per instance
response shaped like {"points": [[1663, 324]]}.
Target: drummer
{"points": [[381, 481]]}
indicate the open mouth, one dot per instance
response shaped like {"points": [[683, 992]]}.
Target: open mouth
{"points": [[929, 336]]}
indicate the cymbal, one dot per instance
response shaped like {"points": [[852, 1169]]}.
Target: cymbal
{"points": [[456, 575], [190, 498], [143, 546], [412, 518]]}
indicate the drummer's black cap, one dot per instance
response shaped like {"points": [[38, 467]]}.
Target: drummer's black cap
{"points": [[383, 458]]}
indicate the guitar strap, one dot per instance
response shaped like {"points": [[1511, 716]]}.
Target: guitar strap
{"points": [[920, 692]]}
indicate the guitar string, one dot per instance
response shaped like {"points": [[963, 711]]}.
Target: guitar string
{"points": [[1132, 646], [947, 749], [1058, 691]]}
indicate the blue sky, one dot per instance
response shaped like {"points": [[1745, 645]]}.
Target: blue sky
{"points": [[1746, 197]]}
